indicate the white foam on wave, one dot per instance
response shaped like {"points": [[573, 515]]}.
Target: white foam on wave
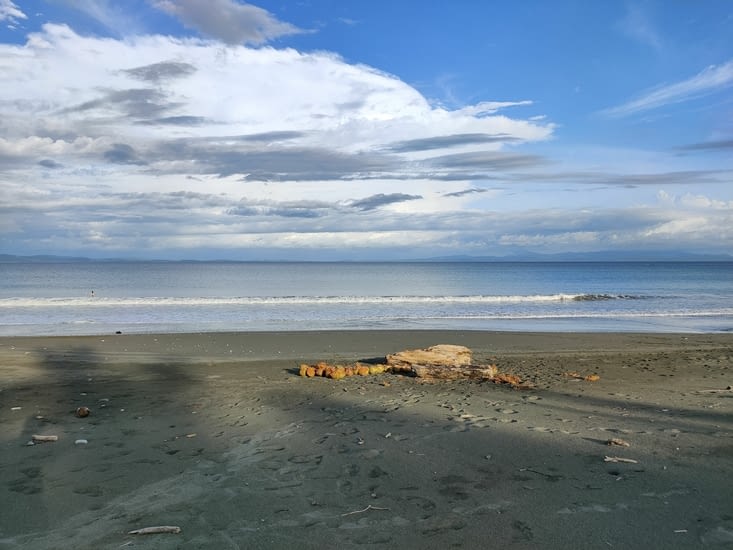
{"points": [[723, 312], [102, 302]]}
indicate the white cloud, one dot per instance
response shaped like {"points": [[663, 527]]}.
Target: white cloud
{"points": [[235, 141], [709, 80], [228, 20], [688, 226], [703, 202], [172, 99], [175, 146], [694, 202], [10, 12], [573, 239]]}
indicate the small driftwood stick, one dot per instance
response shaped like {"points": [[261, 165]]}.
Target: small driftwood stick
{"points": [[620, 459], [44, 438], [725, 390], [155, 530], [455, 372]]}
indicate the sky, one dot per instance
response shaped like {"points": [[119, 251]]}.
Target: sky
{"points": [[380, 130]]}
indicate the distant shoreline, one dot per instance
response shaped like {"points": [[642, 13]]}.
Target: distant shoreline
{"points": [[568, 258]]}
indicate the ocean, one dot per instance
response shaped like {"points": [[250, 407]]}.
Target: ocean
{"points": [[90, 297]]}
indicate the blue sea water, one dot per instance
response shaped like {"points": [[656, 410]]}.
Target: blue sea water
{"points": [[148, 297]]}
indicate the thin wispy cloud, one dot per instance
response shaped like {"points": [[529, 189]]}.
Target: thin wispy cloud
{"points": [[443, 142], [465, 192], [638, 26], [707, 81], [721, 145], [376, 201], [116, 19]]}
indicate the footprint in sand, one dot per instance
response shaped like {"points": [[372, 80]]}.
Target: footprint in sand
{"points": [[505, 420]]}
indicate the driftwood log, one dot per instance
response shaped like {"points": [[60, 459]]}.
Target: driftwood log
{"points": [[44, 438], [446, 355], [441, 362], [455, 372]]}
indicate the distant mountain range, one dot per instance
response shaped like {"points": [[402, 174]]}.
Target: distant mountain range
{"points": [[11, 259], [601, 256]]}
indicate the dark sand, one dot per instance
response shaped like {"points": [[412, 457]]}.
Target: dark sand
{"points": [[216, 433]]}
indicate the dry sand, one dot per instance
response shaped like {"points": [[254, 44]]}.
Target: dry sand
{"points": [[215, 433]]}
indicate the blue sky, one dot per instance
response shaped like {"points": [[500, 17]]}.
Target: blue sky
{"points": [[365, 130]]}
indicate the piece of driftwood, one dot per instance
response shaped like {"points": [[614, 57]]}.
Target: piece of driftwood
{"points": [[155, 530], [620, 459], [728, 389], [442, 354], [45, 438], [455, 372], [440, 362], [618, 442]]}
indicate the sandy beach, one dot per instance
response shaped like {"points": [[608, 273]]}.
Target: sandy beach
{"points": [[217, 434]]}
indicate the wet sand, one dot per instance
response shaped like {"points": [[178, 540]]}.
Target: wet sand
{"points": [[217, 434]]}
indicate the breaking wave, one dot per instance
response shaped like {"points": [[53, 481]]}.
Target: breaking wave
{"points": [[102, 302]]}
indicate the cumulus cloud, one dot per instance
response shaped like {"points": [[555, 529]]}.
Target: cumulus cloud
{"points": [[262, 114], [90, 124], [162, 143], [227, 20]]}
